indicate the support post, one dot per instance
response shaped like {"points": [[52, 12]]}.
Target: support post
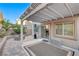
{"points": [[21, 33]]}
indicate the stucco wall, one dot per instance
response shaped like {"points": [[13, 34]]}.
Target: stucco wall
{"points": [[68, 42]]}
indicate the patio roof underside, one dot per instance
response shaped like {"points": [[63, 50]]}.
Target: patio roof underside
{"points": [[51, 11]]}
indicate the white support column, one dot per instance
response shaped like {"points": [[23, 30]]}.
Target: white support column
{"points": [[33, 30], [21, 34], [49, 32], [40, 30]]}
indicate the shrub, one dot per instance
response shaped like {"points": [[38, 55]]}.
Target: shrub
{"points": [[16, 28], [2, 33], [6, 24]]}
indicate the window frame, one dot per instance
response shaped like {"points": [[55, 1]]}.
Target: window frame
{"points": [[63, 35]]}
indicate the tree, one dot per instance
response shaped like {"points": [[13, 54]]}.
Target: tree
{"points": [[5, 26]]}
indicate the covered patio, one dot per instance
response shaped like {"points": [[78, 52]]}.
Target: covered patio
{"points": [[58, 22]]}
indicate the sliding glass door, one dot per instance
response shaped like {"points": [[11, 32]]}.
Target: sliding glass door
{"points": [[45, 31]]}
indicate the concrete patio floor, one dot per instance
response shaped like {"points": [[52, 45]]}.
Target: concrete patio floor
{"points": [[13, 48]]}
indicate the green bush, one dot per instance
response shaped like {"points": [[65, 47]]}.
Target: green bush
{"points": [[6, 24], [2, 33], [16, 28]]}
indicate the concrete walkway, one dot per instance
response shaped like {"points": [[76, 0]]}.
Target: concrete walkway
{"points": [[13, 48]]}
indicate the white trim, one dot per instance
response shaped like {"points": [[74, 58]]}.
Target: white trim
{"points": [[31, 52], [25, 51]]}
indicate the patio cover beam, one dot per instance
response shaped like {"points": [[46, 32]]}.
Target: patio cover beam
{"points": [[51, 16], [48, 12], [69, 9], [42, 18], [35, 10], [52, 9]]}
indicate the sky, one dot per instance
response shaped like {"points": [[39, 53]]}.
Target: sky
{"points": [[12, 11]]}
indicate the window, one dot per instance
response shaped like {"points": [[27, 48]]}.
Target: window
{"points": [[59, 29], [65, 29], [68, 29]]}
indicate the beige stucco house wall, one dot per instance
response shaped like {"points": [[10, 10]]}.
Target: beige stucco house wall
{"points": [[74, 43]]}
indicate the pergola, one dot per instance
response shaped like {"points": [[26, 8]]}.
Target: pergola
{"points": [[40, 12]]}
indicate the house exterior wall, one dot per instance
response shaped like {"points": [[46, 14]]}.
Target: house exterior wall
{"points": [[74, 43]]}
